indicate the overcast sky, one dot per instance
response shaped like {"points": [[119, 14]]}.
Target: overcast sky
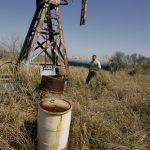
{"points": [[112, 25]]}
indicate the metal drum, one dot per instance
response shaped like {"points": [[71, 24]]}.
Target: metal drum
{"points": [[54, 117], [55, 84]]}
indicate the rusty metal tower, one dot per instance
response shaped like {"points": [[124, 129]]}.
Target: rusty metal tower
{"points": [[45, 34]]}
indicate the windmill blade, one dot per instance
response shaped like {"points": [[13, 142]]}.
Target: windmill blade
{"points": [[83, 12]]}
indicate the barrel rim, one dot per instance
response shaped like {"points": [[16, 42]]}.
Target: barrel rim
{"points": [[55, 113]]}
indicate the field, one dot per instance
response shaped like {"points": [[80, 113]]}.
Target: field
{"points": [[111, 113]]}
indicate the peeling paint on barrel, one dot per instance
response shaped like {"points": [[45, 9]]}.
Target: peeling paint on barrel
{"points": [[54, 117]]}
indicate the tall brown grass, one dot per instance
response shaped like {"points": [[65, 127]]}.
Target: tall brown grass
{"points": [[111, 113]]}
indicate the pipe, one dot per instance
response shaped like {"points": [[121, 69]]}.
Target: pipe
{"points": [[80, 63]]}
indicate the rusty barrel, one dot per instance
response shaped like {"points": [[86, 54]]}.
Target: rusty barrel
{"points": [[54, 118], [55, 84]]}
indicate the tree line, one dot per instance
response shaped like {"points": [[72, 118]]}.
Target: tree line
{"points": [[135, 61]]}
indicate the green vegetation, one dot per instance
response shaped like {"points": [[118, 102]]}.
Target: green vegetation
{"points": [[136, 62]]}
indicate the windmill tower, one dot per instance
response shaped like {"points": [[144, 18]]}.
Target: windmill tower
{"points": [[45, 35]]}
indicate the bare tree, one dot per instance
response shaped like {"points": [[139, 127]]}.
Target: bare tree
{"points": [[11, 44]]}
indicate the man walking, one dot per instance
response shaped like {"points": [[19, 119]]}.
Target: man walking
{"points": [[94, 67]]}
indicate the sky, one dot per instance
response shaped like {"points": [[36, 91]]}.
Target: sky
{"points": [[112, 25]]}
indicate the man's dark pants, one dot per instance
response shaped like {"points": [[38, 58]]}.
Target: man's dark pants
{"points": [[90, 76]]}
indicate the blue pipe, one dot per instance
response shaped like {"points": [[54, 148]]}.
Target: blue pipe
{"points": [[79, 63]]}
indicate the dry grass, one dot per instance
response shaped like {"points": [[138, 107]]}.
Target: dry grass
{"points": [[111, 113]]}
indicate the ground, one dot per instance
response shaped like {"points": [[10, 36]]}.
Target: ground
{"points": [[112, 112]]}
